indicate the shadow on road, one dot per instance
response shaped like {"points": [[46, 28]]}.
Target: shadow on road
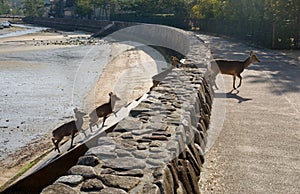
{"points": [[232, 95]]}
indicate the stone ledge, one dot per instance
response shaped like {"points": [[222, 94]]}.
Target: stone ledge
{"points": [[159, 147], [172, 136]]}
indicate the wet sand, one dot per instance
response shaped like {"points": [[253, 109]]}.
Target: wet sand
{"points": [[41, 84]]}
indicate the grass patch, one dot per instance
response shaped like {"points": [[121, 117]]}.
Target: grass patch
{"points": [[23, 170]]}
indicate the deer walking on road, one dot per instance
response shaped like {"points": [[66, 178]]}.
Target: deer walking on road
{"points": [[103, 111], [67, 129], [234, 68]]}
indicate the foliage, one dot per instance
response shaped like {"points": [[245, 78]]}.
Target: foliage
{"points": [[5, 6], [34, 8], [282, 15], [83, 7]]}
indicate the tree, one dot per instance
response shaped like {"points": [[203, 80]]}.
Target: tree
{"points": [[34, 8], [103, 7], [203, 9], [84, 8], [5, 6]]}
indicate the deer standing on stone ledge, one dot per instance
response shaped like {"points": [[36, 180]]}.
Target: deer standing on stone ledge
{"points": [[67, 129], [234, 68], [103, 111]]}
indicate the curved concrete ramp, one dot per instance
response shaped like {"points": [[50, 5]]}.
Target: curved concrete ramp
{"points": [[157, 35]]}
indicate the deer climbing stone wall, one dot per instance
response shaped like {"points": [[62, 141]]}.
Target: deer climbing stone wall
{"points": [[157, 149]]}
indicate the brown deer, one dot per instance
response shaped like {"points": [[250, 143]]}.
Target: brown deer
{"points": [[234, 68], [67, 129], [175, 62], [103, 111]]}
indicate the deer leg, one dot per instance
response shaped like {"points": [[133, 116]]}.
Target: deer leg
{"points": [[104, 118], [56, 144], [234, 82], [83, 132], [115, 113], [73, 135], [92, 124], [155, 83], [213, 81], [239, 76], [79, 128]]}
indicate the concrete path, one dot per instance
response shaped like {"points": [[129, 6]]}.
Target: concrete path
{"points": [[255, 134]]}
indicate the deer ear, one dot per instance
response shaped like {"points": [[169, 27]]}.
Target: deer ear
{"points": [[110, 93], [251, 53]]}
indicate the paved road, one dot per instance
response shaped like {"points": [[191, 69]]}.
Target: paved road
{"points": [[255, 134]]}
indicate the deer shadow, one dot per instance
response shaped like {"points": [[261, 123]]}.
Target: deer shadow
{"points": [[233, 94]]}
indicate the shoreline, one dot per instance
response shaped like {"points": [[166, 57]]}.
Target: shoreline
{"points": [[123, 64]]}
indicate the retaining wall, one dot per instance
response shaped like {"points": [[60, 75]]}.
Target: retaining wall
{"points": [[159, 147]]}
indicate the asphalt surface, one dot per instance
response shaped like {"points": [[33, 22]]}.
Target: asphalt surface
{"points": [[254, 138]]}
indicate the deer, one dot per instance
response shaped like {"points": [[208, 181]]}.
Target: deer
{"points": [[234, 68], [175, 62], [103, 111], [67, 129], [178, 63]]}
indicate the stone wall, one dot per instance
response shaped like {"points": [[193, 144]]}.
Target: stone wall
{"points": [[157, 149]]}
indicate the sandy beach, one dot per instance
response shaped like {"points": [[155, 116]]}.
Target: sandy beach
{"points": [[45, 75]]}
